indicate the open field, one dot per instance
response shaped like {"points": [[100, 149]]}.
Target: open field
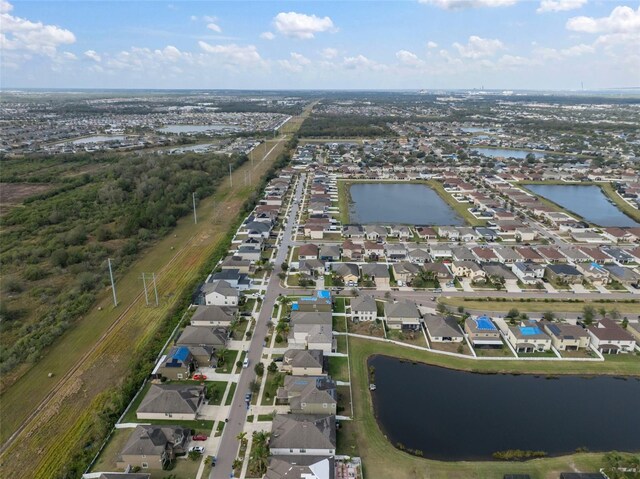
{"points": [[541, 306], [460, 208], [94, 355], [14, 193], [381, 460]]}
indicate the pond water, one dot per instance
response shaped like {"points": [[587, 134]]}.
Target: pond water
{"points": [[587, 201], [194, 128], [399, 203], [97, 139], [455, 415], [502, 153]]}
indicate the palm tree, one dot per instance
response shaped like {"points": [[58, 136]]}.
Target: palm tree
{"points": [[260, 451]]}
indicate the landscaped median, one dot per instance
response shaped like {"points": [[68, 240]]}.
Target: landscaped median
{"points": [[382, 460]]}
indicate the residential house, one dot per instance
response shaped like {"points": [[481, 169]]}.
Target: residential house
{"points": [[404, 272], [609, 337], [484, 254], [304, 362], [507, 255], [442, 330], [594, 272], [527, 337], [482, 332], [330, 252], [220, 293], [527, 272], [426, 232], [153, 447], [395, 251], [439, 252], [171, 401], [213, 316], [312, 330], [348, 272], [377, 272], [203, 342], [300, 467], [375, 232], [449, 232], [303, 434], [402, 232], [468, 269], [363, 308], [308, 395], [353, 231], [239, 262], [352, 251], [562, 273], [257, 229], [178, 363], [462, 253], [233, 277], [308, 251], [373, 250], [567, 337], [402, 315], [312, 267], [440, 271], [623, 275]]}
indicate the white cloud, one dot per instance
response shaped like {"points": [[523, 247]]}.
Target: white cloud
{"points": [[329, 53], [560, 54], [5, 7], [559, 5], [409, 59], [93, 55], [214, 27], [69, 56], [232, 54], [299, 25], [360, 62], [464, 4], [478, 47], [267, 36], [432, 44], [295, 63], [20, 35], [621, 20], [144, 59]]}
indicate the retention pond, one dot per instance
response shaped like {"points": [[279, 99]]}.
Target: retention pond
{"points": [[454, 415]]}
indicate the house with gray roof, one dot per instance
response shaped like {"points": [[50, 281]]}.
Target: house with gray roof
{"points": [[178, 363], [567, 337], [153, 447], [402, 315], [304, 362], [213, 315], [301, 467], [363, 308], [528, 337], [378, 272], [308, 394], [172, 401], [220, 293], [303, 434], [442, 330], [203, 342]]}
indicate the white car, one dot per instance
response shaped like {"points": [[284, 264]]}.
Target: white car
{"points": [[199, 449], [245, 363]]}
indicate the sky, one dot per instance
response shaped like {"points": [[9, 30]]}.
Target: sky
{"points": [[402, 44]]}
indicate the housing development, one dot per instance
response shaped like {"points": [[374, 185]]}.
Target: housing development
{"points": [[391, 249]]}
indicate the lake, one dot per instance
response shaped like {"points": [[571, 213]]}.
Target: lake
{"points": [[502, 153], [97, 139], [587, 201], [455, 415], [194, 128], [399, 203]]}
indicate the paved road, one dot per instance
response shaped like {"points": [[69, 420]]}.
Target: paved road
{"points": [[238, 411]]}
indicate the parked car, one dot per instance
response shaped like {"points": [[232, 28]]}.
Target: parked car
{"points": [[245, 363], [199, 449], [247, 397], [199, 377], [199, 437]]}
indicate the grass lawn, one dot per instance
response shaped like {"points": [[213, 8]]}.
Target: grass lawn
{"points": [[540, 306], [339, 304], [339, 324], [183, 468], [342, 344], [232, 390], [229, 361], [339, 368], [131, 413], [219, 429], [274, 381], [344, 401], [416, 338], [368, 328], [215, 391], [265, 417], [109, 455], [381, 460]]}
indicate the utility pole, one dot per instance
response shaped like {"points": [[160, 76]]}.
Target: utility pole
{"points": [[146, 296], [113, 284], [195, 216], [155, 289]]}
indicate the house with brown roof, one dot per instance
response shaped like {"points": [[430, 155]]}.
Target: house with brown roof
{"points": [[484, 254], [609, 337], [567, 337], [308, 251], [153, 447]]}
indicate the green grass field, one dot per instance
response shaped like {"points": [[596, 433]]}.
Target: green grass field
{"points": [[363, 437]]}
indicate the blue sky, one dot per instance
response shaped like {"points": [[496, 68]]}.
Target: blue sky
{"points": [[503, 44]]}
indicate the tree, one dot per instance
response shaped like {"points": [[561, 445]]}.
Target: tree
{"points": [[254, 386], [602, 311], [194, 455], [588, 314], [513, 313], [548, 316], [441, 308], [284, 266], [260, 451], [273, 367], [614, 314], [259, 369]]}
